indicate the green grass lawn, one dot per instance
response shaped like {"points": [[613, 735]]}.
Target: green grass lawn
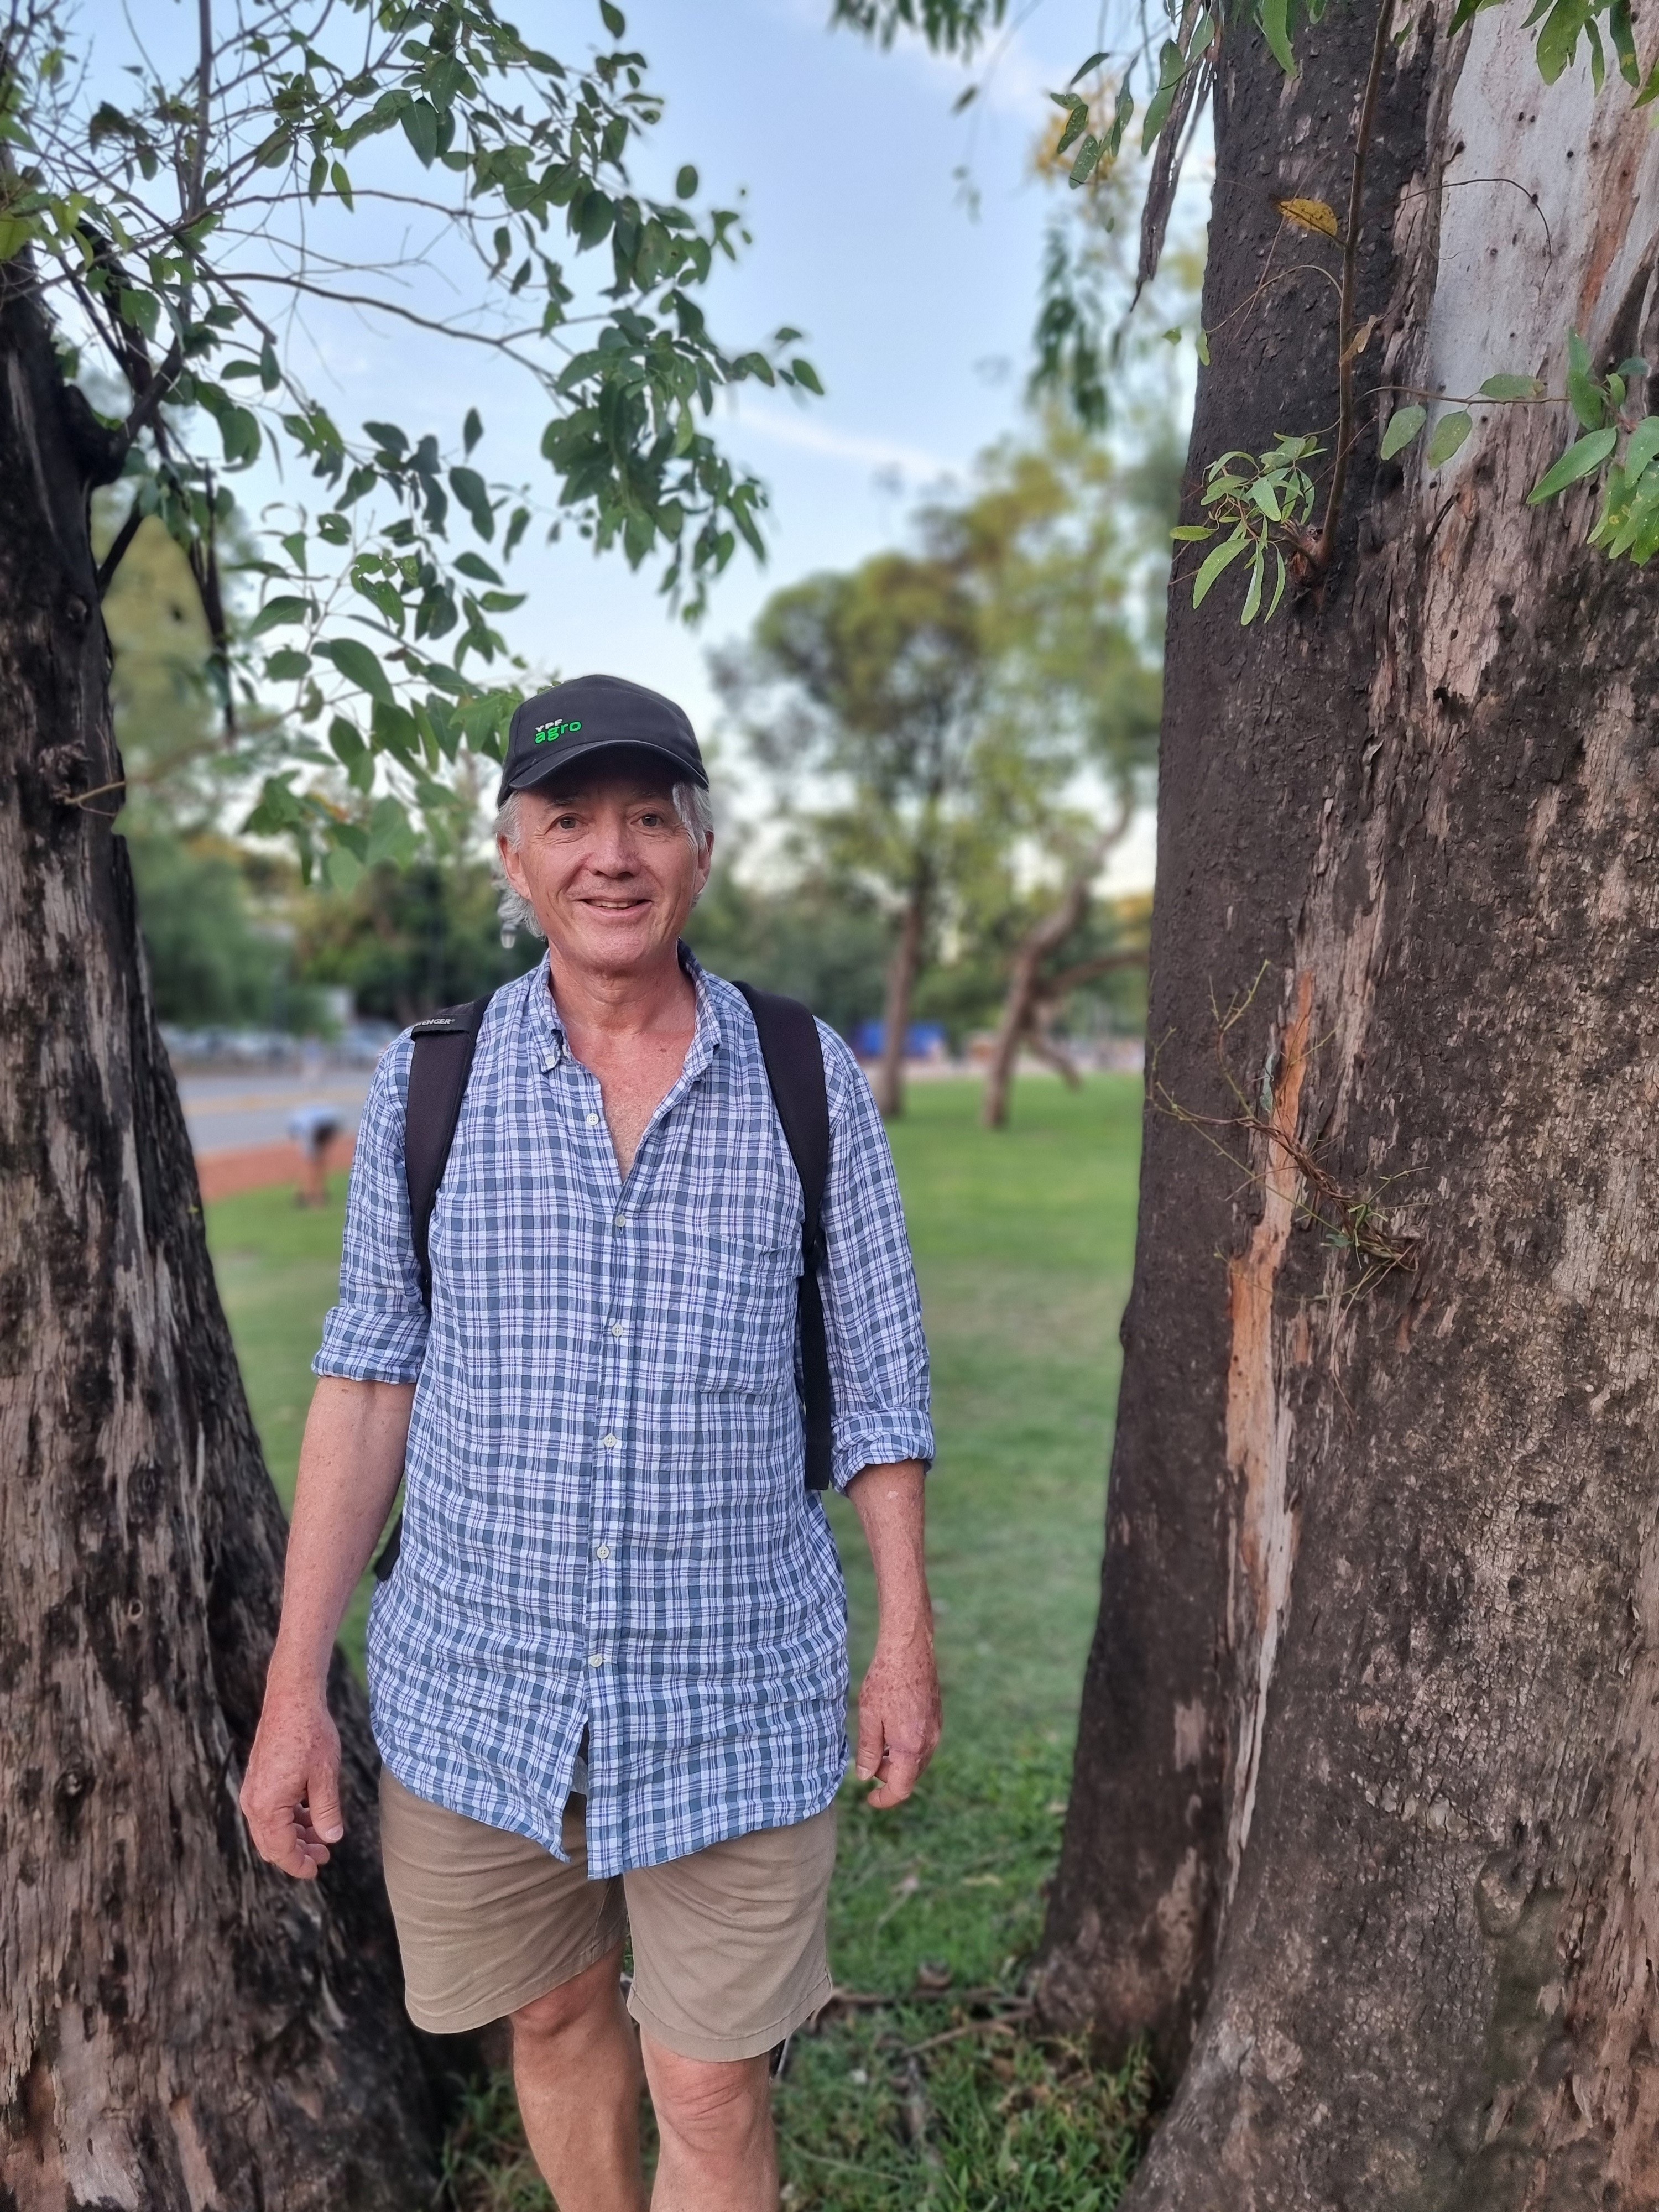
{"points": [[1024, 1240]]}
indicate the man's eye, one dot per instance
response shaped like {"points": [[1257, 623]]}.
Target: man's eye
{"points": [[565, 822]]}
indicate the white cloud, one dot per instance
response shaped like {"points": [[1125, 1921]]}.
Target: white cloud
{"points": [[812, 435]]}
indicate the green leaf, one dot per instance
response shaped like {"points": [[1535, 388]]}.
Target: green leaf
{"points": [[1276, 29], [685, 185], [420, 122], [359, 666], [278, 613], [469, 489], [344, 869], [1253, 594], [472, 430], [1192, 532], [1624, 42], [1227, 552], [804, 373], [473, 564], [1403, 426], [1634, 367], [1204, 347], [597, 216], [1505, 386], [342, 184], [615, 21], [1644, 446], [1076, 124], [389, 834], [1088, 159], [1579, 460], [1450, 432], [1582, 390], [1122, 113], [1093, 63]]}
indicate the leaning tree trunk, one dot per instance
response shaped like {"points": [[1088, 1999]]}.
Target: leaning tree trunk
{"points": [[901, 989], [182, 2028], [1368, 1776]]}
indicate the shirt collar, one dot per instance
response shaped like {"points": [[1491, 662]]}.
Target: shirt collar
{"points": [[547, 1030]]}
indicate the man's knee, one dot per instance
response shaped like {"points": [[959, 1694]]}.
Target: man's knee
{"points": [[709, 2104], [585, 2000]]}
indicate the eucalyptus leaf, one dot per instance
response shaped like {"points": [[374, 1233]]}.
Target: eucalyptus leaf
{"points": [[1450, 434], [1580, 458], [1403, 426]]}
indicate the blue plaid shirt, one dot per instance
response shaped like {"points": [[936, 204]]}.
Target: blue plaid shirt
{"points": [[606, 1526]]}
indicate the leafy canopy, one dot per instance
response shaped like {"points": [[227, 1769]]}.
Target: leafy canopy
{"points": [[422, 164]]}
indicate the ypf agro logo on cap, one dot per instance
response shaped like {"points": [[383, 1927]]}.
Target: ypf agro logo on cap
{"points": [[550, 732]]}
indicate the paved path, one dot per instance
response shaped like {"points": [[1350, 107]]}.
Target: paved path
{"points": [[238, 1123]]}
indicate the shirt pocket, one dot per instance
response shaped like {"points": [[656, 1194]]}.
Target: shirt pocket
{"points": [[739, 1317]]}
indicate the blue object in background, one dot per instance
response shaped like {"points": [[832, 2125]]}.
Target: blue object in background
{"points": [[922, 1040]]}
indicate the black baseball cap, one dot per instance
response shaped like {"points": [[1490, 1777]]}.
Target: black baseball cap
{"points": [[587, 714]]}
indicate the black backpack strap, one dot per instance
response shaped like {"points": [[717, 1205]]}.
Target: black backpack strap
{"points": [[793, 1054], [438, 1070]]}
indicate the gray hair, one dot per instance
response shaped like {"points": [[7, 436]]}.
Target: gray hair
{"points": [[691, 802]]}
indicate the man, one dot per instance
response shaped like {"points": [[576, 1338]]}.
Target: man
{"points": [[608, 1677]]}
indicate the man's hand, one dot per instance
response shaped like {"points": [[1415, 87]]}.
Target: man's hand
{"points": [[291, 1792], [349, 1463], [900, 1717]]}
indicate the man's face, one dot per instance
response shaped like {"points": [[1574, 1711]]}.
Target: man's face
{"points": [[607, 866]]}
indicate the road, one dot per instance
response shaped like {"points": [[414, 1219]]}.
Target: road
{"points": [[235, 1112]]}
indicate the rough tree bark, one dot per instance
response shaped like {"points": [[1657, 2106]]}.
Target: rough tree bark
{"points": [[1369, 1764], [181, 2027]]}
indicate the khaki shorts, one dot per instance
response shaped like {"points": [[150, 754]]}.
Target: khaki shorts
{"points": [[729, 1953]]}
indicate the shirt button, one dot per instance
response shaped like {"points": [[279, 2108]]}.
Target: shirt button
{"points": [[620, 1221], [597, 1659], [592, 1120], [609, 1443], [617, 1329], [604, 1551]]}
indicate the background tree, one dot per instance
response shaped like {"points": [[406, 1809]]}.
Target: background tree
{"points": [[1366, 1769], [183, 2027], [948, 725], [873, 682], [1072, 547]]}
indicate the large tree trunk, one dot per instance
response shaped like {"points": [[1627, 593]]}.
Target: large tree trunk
{"points": [[182, 2028], [902, 971], [1369, 1753]]}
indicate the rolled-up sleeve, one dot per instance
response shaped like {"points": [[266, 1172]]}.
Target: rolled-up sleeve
{"points": [[378, 1331], [872, 1313]]}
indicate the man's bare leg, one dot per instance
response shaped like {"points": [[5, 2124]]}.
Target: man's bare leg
{"points": [[714, 2116], [576, 2068]]}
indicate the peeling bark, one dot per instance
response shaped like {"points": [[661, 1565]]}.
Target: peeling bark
{"points": [[1369, 1760], [182, 2028]]}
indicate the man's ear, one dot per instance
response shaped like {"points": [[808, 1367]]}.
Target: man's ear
{"points": [[514, 867]]}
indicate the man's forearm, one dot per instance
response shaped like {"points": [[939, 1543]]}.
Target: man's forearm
{"points": [[889, 1503], [350, 1464], [899, 1715]]}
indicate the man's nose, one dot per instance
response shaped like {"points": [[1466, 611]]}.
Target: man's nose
{"points": [[614, 852]]}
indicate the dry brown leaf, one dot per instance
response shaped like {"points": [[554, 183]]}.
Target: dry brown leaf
{"points": [[1358, 342], [1311, 215]]}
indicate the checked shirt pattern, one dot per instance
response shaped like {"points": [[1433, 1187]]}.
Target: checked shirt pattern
{"points": [[605, 1522]]}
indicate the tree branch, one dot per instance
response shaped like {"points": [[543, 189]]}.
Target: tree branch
{"points": [[124, 538]]}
